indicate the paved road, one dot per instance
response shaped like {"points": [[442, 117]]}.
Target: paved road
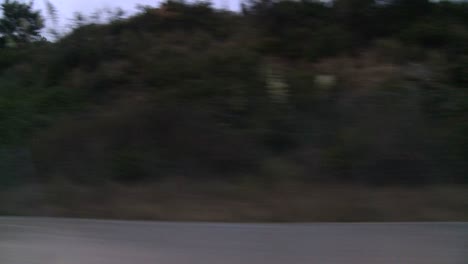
{"points": [[70, 241]]}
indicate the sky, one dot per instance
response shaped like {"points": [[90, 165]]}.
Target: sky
{"points": [[66, 8]]}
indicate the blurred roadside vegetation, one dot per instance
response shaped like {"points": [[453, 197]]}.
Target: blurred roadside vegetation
{"points": [[358, 91]]}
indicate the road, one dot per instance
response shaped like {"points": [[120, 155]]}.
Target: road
{"points": [[72, 241]]}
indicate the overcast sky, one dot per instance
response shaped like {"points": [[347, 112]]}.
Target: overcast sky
{"points": [[66, 8]]}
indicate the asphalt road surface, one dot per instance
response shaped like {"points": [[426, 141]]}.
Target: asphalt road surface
{"points": [[71, 241]]}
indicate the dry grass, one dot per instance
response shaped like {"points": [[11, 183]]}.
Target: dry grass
{"points": [[360, 73], [187, 201]]}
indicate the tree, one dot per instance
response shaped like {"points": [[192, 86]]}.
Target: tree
{"points": [[357, 15], [20, 23], [53, 16]]}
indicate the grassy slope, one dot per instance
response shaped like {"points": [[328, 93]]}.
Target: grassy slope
{"points": [[182, 200]]}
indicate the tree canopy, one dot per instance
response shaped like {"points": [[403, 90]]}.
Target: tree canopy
{"points": [[20, 23]]}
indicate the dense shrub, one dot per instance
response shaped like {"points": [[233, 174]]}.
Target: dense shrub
{"points": [[301, 90]]}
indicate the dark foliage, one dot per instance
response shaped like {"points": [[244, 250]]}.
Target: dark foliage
{"points": [[358, 91]]}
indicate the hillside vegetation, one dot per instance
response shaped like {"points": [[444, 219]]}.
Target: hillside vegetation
{"points": [[361, 91]]}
